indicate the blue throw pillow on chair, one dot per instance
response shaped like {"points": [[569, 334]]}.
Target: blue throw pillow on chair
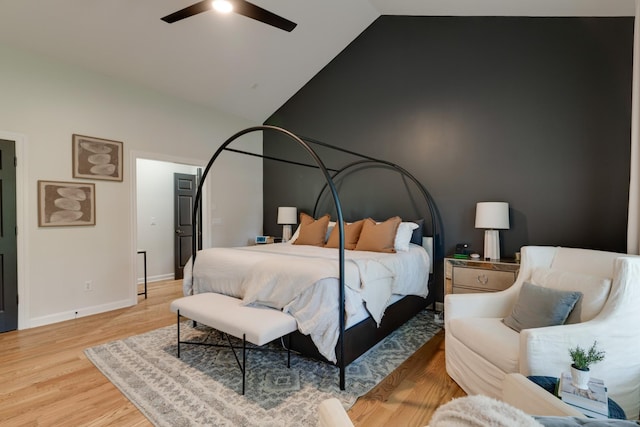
{"points": [[538, 306]]}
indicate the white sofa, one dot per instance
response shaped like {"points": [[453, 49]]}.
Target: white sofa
{"points": [[481, 350]]}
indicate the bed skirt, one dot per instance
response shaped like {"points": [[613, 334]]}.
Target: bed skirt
{"points": [[361, 337]]}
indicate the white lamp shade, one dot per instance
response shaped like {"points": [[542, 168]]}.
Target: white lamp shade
{"points": [[492, 215], [287, 215]]}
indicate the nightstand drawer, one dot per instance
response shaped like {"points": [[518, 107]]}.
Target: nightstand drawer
{"points": [[463, 290], [467, 275], [482, 279]]}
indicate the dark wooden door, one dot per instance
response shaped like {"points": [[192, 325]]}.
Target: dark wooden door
{"points": [[8, 240], [184, 195]]}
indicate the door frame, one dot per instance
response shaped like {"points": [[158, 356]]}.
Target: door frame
{"points": [[22, 198], [135, 259]]}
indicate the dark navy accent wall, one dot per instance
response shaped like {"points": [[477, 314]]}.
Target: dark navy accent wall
{"points": [[532, 111]]}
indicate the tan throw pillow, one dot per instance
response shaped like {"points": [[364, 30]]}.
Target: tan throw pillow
{"points": [[351, 235], [378, 237], [312, 232]]}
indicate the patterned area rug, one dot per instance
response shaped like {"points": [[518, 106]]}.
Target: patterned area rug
{"points": [[204, 386]]}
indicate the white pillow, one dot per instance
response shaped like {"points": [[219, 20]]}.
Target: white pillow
{"points": [[595, 290], [330, 229], [295, 236], [403, 236]]}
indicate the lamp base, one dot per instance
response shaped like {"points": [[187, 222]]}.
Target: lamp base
{"points": [[492, 245], [286, 232]]}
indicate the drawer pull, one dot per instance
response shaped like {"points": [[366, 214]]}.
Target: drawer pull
{"points": [[482, 279]]}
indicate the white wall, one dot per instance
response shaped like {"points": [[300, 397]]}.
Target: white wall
{"points": [[47, 102]]}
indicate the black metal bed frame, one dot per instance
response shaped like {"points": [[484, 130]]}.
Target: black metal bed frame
{"points": [[304, 142]]}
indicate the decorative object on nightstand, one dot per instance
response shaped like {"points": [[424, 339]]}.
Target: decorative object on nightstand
{"points": [[475, 275], [492, 216], [582, 359], [286, 217], [462, 251], [261, 240]]}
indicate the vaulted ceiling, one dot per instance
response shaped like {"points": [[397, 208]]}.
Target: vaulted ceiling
{"points": [[230, 62]]}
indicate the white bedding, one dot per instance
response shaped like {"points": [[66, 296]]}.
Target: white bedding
{"points": [[302, 280]]}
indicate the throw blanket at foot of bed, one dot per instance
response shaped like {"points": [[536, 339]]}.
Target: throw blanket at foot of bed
{"points": [[309, 292]]}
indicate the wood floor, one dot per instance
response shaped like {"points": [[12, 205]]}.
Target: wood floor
{"points": [[45, 379]]}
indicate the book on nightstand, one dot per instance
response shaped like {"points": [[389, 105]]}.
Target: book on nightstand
{"points": [[592, 402]]}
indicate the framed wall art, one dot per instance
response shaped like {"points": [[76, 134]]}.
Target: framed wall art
{"points": [[97, 158], [63, 204]]}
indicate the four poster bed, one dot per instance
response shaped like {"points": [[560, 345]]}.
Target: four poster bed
{"points": [[348, 285]]}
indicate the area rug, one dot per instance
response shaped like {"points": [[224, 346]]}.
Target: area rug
{"points": [[204, 386]]}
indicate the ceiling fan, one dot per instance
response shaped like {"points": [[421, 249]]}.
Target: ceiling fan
{"points": [[241, 7]]}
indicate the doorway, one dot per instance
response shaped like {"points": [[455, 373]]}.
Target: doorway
{"points": [[154, 214]]}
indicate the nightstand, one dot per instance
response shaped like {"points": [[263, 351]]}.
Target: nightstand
{"points": [[467, 275]]}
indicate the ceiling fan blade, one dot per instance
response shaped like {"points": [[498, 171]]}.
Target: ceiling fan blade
{"points": [[250, 10], [188, 11], [241, 7]]}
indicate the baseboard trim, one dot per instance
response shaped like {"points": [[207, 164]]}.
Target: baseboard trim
{"points": [[74, 314], [157, 278]]}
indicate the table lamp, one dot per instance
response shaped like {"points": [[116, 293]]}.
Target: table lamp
{"points": [[286, 216], [492, 216]]}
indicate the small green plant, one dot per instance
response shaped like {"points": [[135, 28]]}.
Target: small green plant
{"points": [[582, 358]]}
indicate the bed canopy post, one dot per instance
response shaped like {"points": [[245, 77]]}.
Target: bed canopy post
{"points": [[436, 226], [437, 230], [336, 200]]}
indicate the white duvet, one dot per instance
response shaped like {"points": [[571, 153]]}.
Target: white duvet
{"points": [[303, 281]]}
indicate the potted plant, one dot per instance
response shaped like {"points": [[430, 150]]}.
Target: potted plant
{"points": [[582, 359]]}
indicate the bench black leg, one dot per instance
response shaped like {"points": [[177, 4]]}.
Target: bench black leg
{"points": [[243, 364], [178, 311], [244, 360]]}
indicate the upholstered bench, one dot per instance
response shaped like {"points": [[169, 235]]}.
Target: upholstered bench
{"points": [[257, 325]]}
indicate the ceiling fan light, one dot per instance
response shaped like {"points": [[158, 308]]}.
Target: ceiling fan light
{"points": [[222, 6]]}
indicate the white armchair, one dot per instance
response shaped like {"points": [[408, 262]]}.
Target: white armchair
{"points": [[481, 349]]}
